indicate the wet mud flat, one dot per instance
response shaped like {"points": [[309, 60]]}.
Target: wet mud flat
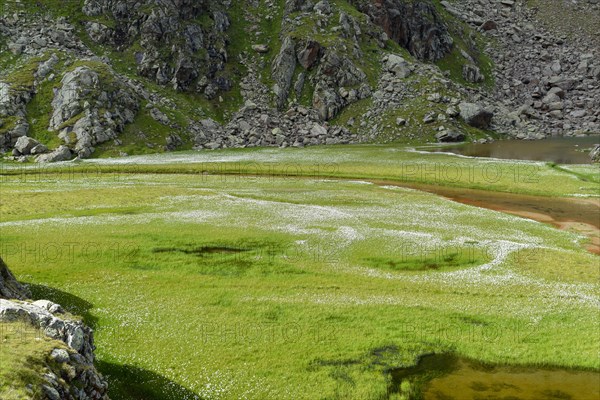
{"points": [[581, 215]]}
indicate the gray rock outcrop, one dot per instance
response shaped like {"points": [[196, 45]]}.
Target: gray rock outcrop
{"points": [[283, 71], [547, 82], [450, 136], [338, 83], [62, 153], [475, 115], [72, 375], [25, 144], [90, 109], [331, 57], [415, 25], [176, 50]]}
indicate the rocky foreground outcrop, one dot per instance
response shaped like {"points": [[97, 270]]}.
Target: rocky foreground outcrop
{"points": [[70, 371]]}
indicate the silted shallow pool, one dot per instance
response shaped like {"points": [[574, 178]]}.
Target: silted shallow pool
{"points": [[446, 376]]}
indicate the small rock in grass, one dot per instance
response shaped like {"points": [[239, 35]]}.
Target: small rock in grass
{"points": [[260, 48]]}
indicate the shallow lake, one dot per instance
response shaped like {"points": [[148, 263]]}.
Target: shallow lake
{"points": [[561, 150]]}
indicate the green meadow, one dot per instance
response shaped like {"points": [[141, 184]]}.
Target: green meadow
{"points": [[283, 274]]}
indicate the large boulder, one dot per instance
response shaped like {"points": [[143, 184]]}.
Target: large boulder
{"points": [[562, 82], [309, 54], [39, 149], [62, 153], [21, 129], [25, 144], [472, 73], [475, 115], [450, 136], [397, 65]]}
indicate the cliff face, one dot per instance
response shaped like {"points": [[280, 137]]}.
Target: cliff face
{"points": [[91, 78], [415, 25], [176, 43], [68, 370]]}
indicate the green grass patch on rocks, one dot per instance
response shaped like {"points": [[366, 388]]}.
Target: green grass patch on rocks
{"points": [[23, 356]]}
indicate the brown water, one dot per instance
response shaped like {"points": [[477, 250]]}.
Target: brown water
{"points": [[560, 150], [444, 376], [574, 214]]}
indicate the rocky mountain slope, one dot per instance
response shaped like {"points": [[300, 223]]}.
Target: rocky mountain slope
{"points": [[94, 78], [65, 370]]}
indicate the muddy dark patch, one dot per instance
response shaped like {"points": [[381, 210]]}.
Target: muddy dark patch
{"points": [[472, 321], [201, 251], [397, 265], [229, 259], [421, 263], [444, 376], [333, 363], [144, 267], [410, 381]]}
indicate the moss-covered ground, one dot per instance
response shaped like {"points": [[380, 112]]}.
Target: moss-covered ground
{"points": [[224, 275]]}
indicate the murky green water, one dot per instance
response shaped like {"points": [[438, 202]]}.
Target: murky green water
{"points": [[452, 377], [562, 150]]}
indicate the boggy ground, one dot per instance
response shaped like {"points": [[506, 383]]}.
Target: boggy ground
{"points": [[231, 285]]}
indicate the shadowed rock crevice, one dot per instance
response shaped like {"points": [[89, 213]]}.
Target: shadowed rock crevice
{"points": [[10, 288]]}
